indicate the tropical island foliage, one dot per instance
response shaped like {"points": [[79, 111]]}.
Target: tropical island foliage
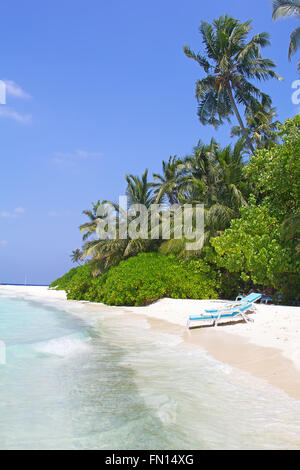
{"points": [[250, 191]]}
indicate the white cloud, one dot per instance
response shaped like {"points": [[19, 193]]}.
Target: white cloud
{"points": [[19, 210], [76, 156], [5, 214], [15, 90], [3, 242], [10, 113], [13, 214], [84, 154]]}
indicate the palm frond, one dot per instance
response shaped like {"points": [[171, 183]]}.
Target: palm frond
{"points": [[202, 61], [282, 8], [295, 42]]}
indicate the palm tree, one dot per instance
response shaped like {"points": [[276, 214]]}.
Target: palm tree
{"points": [[281, 9], [169, 182], [230, 61], [214, 178], [261, 127], [225, 187], [200, 174], [139, 190], [76, 256], [109, 252], [89, 228], [231, 187], [216, 173]]}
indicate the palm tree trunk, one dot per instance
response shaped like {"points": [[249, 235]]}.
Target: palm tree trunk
{"points": [[170, 197], [239, 119]]}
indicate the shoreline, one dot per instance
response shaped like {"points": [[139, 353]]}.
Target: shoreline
{"points": [[268, 349]]}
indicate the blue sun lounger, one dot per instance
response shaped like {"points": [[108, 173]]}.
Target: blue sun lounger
{"points": [[225, 314], [251, 298]]}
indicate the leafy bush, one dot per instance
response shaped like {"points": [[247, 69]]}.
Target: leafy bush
{"points": [[143, 279], [75, 275], [151, 276], [275, 172], [253, 247]]}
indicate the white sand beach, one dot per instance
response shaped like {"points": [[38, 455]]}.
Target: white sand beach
{"points": [[268, 348]]}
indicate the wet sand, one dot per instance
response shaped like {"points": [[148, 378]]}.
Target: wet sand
{"points": [[264, 363]]}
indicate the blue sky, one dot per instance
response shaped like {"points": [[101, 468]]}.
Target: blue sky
{"points": [[97, 90]]}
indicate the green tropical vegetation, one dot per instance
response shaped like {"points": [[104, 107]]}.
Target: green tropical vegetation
{"points": [[231, 63], [142, 279], [76, 256], [249, 192]]}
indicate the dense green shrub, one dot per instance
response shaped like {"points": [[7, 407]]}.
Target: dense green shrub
{"points": [[254, 248], [262, 245], [78, 274], [275, 172], [143, 279], [150, 276]]}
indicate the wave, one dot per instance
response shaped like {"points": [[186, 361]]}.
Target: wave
{"points": [[65, 346]]}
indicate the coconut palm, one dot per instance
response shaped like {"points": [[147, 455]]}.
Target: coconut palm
{"points": [[104, 253], [201, 170], [230, 61], [76, 256], [225, 187], [261, 126], [214, 178], [230, 187], [216, 173], [89, 228], [282, 9], [139, 190], [169, 182]]}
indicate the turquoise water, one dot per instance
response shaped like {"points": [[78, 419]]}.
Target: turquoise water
{"points": [[112, 383]]}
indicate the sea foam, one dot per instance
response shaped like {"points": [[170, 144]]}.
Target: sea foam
{"points": [[65, 346]]}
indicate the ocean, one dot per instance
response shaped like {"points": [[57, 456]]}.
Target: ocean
{"points": [[73, 381]]}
